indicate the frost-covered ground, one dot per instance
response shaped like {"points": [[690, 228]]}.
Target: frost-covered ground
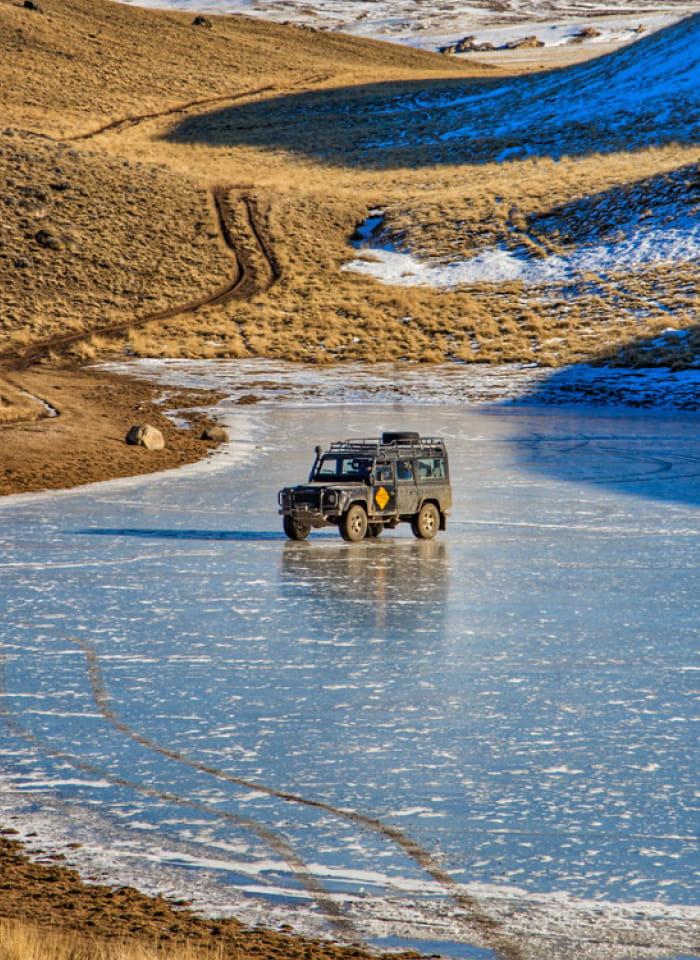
{"points": [[666, 230], [597, 105], [591, 106], [253, 381], [429, 25], [517, 697]]}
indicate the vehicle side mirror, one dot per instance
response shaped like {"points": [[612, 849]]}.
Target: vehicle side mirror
{"points": [[317, 450]]}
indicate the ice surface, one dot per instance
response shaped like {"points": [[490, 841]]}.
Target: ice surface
{"points": [[517, 696]]}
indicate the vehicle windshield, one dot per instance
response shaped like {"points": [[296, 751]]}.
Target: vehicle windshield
{"points": [[344, 467]]}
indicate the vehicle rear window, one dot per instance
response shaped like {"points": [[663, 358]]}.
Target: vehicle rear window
{"points": [[431, 468]]}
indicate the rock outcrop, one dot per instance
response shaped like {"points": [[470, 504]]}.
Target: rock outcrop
{"points": [[215, 433], [144, 435]]}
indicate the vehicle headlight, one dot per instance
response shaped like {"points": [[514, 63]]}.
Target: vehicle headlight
{"points": [[331, 498]]}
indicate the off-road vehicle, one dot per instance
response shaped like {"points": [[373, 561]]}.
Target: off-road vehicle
{"points": [[365, 486]]}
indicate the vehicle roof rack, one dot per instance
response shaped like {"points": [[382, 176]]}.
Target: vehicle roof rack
{"points": [[374, 445]]}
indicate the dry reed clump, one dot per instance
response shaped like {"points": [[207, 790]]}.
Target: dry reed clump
{"points": [[20, 940]]}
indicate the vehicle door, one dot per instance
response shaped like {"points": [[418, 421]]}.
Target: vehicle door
{"points": [[433, 481], [383, 489], [406, 489]]}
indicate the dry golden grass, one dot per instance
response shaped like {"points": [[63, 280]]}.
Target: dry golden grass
{"points": [[87, 239], [20, 940], [15, 405], [294, 149]]}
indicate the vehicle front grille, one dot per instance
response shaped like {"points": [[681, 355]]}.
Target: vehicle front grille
{"points": [[307, 498]]}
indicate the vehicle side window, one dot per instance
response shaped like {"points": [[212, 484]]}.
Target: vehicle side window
{"points": [[404, 470], [382, 473], [431, 468]]}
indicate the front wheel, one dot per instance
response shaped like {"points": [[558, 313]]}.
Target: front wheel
{"points": [[427, 523], [294, 529], [353, 526]]}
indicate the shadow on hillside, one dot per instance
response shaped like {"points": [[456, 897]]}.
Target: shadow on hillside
{"points": [[622, 424], [641, 95]]}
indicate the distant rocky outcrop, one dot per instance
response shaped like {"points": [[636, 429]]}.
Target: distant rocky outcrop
{"points": [[470, 44], [144, 435], [467, 45], [587, 33], [200, 21], [523, 43]]}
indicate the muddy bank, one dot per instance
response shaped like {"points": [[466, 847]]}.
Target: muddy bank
{"points": [[72, 431], [54, 896]]}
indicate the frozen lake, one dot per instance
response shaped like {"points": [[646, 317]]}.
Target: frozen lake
{"points": [[517, 697]]}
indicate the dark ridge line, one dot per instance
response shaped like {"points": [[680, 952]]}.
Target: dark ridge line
{"points": [[487, 925], [135, 119], [331, 910]]}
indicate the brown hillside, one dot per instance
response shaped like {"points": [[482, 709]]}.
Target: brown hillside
{"points": [[226, 168], [81, 62]]}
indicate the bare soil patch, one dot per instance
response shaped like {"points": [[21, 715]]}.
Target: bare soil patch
{"points": [[85, 442], [54, 898]]}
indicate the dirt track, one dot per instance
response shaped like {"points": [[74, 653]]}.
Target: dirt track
{"points": [[243, 284]]}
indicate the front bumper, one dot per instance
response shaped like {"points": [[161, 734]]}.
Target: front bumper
{"points": [[318, 514]]}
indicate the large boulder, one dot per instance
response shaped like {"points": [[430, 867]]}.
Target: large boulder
{"points": [[216, 433], [144, 435]]}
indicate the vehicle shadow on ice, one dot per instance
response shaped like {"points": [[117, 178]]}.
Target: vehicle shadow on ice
{"points": [[148, 533]]}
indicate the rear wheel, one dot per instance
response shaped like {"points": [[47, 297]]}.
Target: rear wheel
{"points": [[353, 526], [294, 529], [427, 522], [374, 530]]}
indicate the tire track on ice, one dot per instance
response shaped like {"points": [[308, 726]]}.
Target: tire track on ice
{"points": [[484, 923], [317, 892]]}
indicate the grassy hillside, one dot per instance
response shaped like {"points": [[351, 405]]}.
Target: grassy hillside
{"points": [[299, 134]]}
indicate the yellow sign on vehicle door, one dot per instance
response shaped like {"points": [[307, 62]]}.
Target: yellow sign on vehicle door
{"points": [[381, 498]]}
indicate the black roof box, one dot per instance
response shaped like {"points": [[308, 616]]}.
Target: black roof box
{"points": [[400, 436]]}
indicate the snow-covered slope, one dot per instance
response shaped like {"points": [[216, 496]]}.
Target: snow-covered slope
{"points": [[427, 25], [646, 93], [628, 229]]}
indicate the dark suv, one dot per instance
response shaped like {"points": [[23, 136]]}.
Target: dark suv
{"points": [[365, 486]]}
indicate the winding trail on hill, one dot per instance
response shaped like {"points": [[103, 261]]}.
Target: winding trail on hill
{"points": [[134, 119], [486, 925], [244, 283]]}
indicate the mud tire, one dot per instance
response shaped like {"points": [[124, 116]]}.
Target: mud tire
{"points": [[427, 522], [294, 529], [353, 526]]}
